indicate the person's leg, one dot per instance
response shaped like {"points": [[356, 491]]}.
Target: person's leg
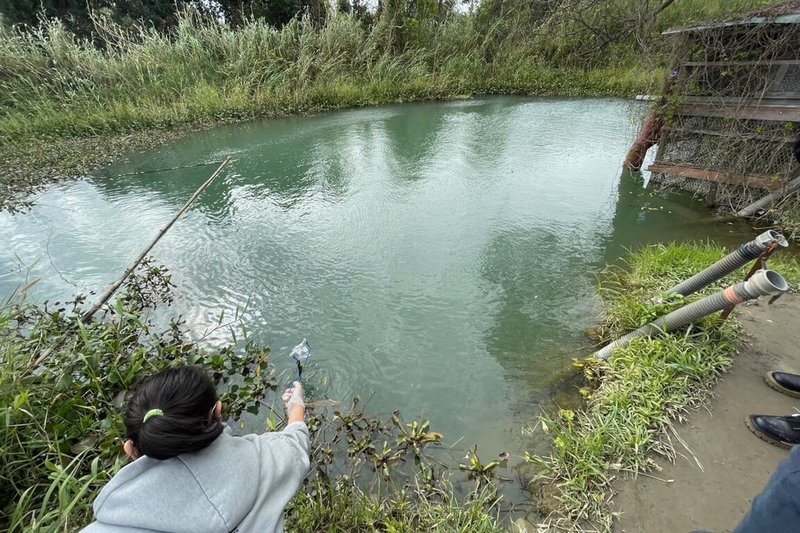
{"points": [[777, 508]]}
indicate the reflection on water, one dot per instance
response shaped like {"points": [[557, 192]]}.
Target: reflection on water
{"points": [[544, 319], [442, 256]]}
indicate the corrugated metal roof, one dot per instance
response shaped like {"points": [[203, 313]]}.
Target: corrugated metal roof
{"points": [[791, 18]]}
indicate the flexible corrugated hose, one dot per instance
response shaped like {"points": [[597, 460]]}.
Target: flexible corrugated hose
{"points": [[763, 283], [747, 252]]}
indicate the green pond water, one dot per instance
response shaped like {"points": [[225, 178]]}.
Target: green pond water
{"points": [[440, 258]]}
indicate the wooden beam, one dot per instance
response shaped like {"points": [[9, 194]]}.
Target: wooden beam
{"points": [[733, 101], [743, 111], [738, 135], [791, 18], [716, 176], [774, 87]]}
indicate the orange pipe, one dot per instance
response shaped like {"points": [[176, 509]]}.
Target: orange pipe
{"points": [[651, 130]]}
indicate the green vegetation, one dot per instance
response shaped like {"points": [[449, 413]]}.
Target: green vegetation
{"points": [[692, 12], [59, 418], [786, 215], [345, 507], [61, 425], [73, 86], [54, 84], [161, 14], [205, 71], [633, 399]]}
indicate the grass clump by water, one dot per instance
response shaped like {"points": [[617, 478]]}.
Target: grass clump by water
{"points": [[633, 400], [417, 509], [61, 425]]}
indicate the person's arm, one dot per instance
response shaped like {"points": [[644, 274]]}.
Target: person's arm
{"points": [[294, 401]]}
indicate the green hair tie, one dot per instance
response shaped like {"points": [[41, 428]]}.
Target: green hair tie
{"points": [[151, 413]]}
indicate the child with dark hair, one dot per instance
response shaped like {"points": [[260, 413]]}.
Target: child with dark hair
{"points": [[189, 473]]}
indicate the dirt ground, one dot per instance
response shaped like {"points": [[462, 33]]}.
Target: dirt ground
{"points": [[735, 464]]}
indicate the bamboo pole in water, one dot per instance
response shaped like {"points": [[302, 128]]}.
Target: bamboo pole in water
{"points": [[107, 296]]}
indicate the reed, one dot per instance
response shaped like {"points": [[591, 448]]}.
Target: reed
{"points": [[53, 85]]}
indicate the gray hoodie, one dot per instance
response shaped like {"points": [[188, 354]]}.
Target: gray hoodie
{"points": [[237, 484]]}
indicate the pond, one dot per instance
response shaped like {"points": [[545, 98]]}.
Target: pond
{"points": [[441, 258]]}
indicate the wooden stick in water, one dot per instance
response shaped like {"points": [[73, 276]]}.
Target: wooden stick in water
{"points": [[107, 296], [90, 313]]}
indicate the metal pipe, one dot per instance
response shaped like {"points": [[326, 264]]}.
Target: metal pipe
{"points": [[763, 283], [769, 199], [733, 261]]}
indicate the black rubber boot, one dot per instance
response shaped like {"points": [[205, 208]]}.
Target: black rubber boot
{"points": [[784, 382], [783, 431]]}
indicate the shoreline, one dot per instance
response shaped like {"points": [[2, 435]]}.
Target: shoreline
{"points": [[638, 399], [721, 465], [28, 166]]}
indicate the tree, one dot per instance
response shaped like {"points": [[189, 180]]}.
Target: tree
{"points": [[161, 14], [76, 14], [274, 12]]}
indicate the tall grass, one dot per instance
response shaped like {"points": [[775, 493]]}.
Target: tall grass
{"points": [[52, 85]]}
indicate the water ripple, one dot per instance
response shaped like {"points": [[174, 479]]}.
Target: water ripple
{"points": [[436, 255]]}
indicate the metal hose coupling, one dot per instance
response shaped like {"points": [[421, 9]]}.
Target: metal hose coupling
{"points": [[747, 252], [763, 241], [762, 283]]}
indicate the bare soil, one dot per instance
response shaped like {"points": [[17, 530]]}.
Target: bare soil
{"points": [[735, 464]]}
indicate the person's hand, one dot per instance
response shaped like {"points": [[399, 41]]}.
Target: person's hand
{"points": [[293, 397]]}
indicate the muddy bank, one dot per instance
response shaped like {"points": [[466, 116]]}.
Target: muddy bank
{"points": [[24, 168], [735, 464]]}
